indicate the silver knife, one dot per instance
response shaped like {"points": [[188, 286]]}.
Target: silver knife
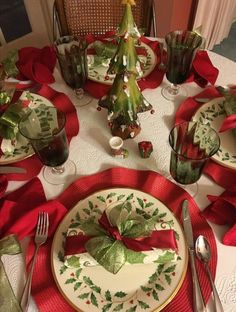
{"points": [[198, 301], [11, 169]]}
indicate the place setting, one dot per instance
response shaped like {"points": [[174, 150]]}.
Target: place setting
{"points": [[96, 224], [19, 101]]}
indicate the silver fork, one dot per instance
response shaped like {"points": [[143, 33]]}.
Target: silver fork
{"points": [[40, 238]]}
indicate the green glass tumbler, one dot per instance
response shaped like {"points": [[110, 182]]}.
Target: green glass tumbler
{"points": [[192, 144]]}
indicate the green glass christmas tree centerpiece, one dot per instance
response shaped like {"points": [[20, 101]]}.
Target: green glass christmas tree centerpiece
{"points": [[125, 100]]}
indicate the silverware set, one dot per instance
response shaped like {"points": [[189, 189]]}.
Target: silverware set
{"points": [[201, 250], [40, 238]]}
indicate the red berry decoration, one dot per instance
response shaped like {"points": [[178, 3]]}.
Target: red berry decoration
{"points": [[99, 108], [110, 124], [106, 77], [152, 111]]}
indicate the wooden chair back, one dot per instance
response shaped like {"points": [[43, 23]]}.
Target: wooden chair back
{"points": [[81, 17]]}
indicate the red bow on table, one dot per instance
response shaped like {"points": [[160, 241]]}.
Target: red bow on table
{"points": [[228, 123], [36, 64], [222, 211], [203, 71], [158, 239]]}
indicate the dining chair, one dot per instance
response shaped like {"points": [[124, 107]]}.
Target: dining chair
{"points": [[81, 17]]}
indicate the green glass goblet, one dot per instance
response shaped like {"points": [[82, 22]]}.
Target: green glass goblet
{"points": [[192, 144], [181, 49], [71, 54]]}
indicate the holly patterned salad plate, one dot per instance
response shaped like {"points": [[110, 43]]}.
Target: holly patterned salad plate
{"points": [[22, 148], [212, 113], [98, 72], [136, 287]]}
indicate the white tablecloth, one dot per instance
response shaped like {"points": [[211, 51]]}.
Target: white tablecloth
{"points": [[91, 153]]}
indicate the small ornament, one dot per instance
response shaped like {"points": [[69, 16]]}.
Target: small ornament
{"points": [[106, 77], [145, 149], [110, 124], [152, 111], [116, 144], [99, 108]]}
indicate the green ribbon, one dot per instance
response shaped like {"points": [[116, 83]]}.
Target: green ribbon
{"points": [[8, 302], [10, 119]]}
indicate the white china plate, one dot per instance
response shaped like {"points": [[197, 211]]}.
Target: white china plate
{"points": [[212, 113], [136, 287], [23, 148], [99, 72]]}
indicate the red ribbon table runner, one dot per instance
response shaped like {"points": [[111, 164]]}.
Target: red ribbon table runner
{"points": [[17, 217], [62, 102], [223, 176]]}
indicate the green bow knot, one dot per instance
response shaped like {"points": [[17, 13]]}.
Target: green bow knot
{"points": [[9, 245]]}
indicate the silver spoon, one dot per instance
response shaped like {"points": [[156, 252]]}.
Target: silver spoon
{"points": [[203, 252]]}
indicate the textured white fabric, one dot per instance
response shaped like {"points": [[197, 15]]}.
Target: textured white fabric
{"points": [[91, 152]]}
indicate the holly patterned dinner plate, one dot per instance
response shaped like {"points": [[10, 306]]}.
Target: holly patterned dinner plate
{"points": [[98, 73], [23, 148], [212, 113], [136, 287]]}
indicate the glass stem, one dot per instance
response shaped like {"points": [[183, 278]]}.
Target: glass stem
{"points": [[174, 89], [58, 170]]}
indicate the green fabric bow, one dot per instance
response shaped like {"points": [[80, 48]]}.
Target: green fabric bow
{"points": [[9, 120], [8, 302]]}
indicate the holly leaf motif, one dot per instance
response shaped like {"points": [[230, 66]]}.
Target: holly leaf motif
{"points": [[106, 307], [143, 305], [108, 295], [94, 300], [134, 256], [120, 294], [73, 261]]}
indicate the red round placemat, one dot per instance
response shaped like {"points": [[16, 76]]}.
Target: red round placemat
{"points": [[46, 294]]}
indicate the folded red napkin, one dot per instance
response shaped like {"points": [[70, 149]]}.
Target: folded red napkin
{"points": [[62, 102], [152, 81], [36, 64], [223, 176], [19, 210], [203, 71], [222, 211], [228, 123]]}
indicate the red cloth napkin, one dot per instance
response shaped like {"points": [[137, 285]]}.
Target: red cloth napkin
{"points": [[62, 102], [36, 64], [203, 71], [152, 81], [222, 211], [20, 218], [223, 176]]}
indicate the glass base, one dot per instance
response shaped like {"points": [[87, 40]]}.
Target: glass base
{"points": [[60, 175], [192, 189], [171, 92], [82, 97]]}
